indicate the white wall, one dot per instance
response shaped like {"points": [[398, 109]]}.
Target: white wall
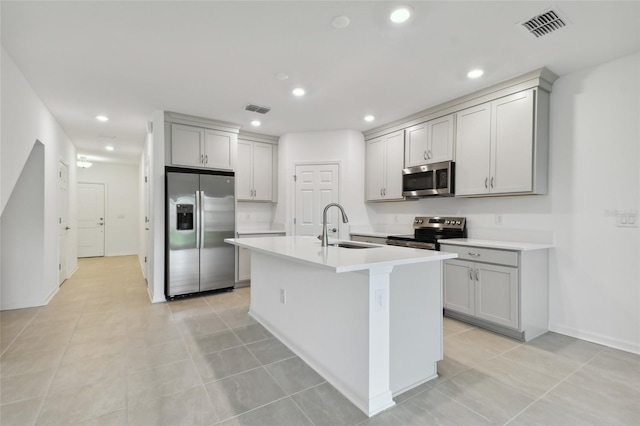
{"points": [[594, 277], [25, 120], [122, 214], [252, 216], [155, 241], [344, 146]]}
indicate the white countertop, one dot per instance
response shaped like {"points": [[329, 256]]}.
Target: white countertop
{"points": [[504, 245], [307, 249]]}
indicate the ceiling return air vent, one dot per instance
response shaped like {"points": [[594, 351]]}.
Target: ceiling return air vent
{"points": [[545, 23], [257, 108]]}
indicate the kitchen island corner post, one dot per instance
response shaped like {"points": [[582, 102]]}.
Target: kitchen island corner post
{"points": [[380, 395]]}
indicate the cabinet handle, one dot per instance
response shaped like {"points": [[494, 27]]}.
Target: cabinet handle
{"points": [[384, 191], [201, 158], [471, 274], [206, 159], [474, 254], [425, 155], [492, 181], [429, 154], [485, 182], [477, 275]]}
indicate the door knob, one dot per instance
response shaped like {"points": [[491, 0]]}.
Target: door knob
{"points": [[333, 230], [101, 223], [67, 228]]}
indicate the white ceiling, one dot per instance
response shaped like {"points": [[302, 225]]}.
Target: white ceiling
{"points": [[211, 58]]}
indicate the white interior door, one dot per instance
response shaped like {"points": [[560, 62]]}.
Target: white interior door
{"points": [[147, 219], [90, 219], [63, 219], [316, 186]]}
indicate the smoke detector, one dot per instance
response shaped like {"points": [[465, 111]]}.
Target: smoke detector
{"points": [[545, 23], [257, 108]]}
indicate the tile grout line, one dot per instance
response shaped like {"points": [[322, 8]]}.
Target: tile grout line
{"points": [[580, 367]]}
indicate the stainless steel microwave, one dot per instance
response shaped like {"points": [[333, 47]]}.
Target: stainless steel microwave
{"points": [[429, 180]]}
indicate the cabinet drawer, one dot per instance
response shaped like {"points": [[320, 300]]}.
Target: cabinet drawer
{"points": [[477, 254]]}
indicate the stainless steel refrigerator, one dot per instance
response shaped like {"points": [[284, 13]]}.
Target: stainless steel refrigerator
{"points": [[200, 215]]}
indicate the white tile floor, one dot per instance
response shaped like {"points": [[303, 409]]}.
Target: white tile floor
{"points": [[101, 354]]}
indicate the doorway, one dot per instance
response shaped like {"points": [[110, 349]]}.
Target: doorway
{"points": [[316, 185], [63, 219], [91, 219]]}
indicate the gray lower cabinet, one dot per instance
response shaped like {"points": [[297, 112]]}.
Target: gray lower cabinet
{"points": [[502, 290], [489, 292]]}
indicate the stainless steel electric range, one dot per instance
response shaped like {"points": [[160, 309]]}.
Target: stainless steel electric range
{"points": [[428, 230]]}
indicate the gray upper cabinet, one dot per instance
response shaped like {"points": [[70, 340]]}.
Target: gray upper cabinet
{"points": [[383, 167], [200, 143], [430, 142], [501, 146], [255, 177], [202, 148]]}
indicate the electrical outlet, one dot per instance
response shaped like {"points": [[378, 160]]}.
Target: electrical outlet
{"points": [[380, 299], [627, 220], [283, 296]]}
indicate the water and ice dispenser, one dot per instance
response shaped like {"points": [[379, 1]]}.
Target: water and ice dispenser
{"points": [[184, 217]]}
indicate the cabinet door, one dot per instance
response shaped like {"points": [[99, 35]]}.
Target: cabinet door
{"points": [[374, 169], [458, 286], [512, 143], [186, 142], [394, 158], [244, 170], [262, 171], [473, 150], [415, 148], [440, 146], [218, 149], [496, 294]]}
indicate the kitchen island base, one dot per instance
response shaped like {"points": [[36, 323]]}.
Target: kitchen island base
{"points": [[372, 334]]}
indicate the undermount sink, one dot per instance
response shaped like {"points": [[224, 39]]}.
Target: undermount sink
{"points": [[351, 245]]}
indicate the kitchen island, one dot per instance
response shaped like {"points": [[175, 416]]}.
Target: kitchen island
{"points": [[369, 320]]}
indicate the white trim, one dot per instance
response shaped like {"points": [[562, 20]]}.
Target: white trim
{"points": [[121, 254], [600, 339]]}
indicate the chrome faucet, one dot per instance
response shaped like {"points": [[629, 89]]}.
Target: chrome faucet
{"points": [[325, 236]]}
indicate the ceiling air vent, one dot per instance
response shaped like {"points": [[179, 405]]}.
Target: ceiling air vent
{"points": [[545, 23], [257, 108]]}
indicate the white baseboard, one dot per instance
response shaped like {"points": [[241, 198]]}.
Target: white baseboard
{"points": [[21, 305], [127, 253], [596, 338], [73, 271]]}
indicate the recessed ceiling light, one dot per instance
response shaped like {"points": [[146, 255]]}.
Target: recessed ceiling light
{"points": [[256, 123], [298, 91], [369, 118], [102, 118], [340, 22], [282, 76], [475, 73], [109, 148], [400, 15]]}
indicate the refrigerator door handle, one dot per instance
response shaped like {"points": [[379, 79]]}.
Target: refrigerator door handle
{"points": [[201, 224], [198, 219]]}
